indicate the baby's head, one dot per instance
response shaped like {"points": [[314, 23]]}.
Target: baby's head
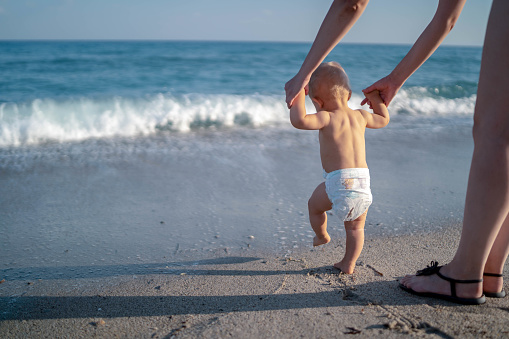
{"points": [[329, 82]]}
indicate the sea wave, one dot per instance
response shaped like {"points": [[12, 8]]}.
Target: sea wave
{"points": [[44, 120], [425, 102], [65, 120]]}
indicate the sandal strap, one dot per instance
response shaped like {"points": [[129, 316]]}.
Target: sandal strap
{"points": [[453, 282], [433, 268], [493, 275]]}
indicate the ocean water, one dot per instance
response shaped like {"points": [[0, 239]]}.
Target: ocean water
{"points": [[73, 91], [141, 152]]}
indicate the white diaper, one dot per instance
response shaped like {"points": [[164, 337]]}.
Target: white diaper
{"points": [[349, 192]]}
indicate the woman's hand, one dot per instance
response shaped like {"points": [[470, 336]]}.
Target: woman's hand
{"points": [[293, 88], [387, 88], [341, 16], [446, 15]]}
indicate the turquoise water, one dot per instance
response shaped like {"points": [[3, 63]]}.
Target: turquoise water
{"points": [[71, 91], [138, 152]]}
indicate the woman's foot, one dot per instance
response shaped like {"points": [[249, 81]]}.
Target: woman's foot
{"points": [[436, 282], [493, 285], [321, 240]]}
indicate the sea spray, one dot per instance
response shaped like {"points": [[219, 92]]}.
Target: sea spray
{"points": [[50, 120], [45, 120]]}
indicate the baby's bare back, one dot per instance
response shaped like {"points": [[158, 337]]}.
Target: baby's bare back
{"points": [[342, 143]]}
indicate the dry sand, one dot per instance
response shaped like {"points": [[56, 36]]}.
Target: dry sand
{"points": [[254, 297]]}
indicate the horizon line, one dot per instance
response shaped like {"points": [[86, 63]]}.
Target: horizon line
{"points": [[219, 40]]}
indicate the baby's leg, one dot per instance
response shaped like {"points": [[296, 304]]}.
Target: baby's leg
{"points": [[317, 205], [354, 244]]}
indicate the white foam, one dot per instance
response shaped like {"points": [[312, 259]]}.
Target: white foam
{"points": [[46, 120], [406, 103], [73, 120], [417, 102]]}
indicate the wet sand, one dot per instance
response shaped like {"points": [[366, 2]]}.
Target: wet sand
{"points": [[144, 201]]}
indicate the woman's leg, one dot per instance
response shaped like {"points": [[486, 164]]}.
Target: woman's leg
{"points": [[487, 201], [496, 260]]}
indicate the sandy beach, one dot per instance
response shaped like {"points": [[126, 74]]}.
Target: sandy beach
{"points": [[146, 244], [253, 297]]}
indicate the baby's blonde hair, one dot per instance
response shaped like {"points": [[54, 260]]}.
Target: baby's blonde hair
{"points": [[329, 81]]}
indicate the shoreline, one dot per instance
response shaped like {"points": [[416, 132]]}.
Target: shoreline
{"points": [[254, 296], [150, 200], [209, 237]]}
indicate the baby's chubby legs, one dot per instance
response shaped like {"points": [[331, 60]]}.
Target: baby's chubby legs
{"points": [[354, 244], [318, 204]]}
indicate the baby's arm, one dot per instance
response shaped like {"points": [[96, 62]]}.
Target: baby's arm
{"points": [[380, 118], [301, 120]]}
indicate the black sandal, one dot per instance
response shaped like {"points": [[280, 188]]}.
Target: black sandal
{"points": [[435, 269], [500, 294]]}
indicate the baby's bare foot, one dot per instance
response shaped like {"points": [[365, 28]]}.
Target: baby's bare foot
{"points": [[317, 241], [346, 269]]}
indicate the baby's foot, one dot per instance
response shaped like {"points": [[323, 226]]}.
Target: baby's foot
{"points": [[321, 240], [344, 268]]}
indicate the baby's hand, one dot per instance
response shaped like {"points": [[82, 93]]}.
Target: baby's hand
{"points": [[387, 87], [373, 97], [293, 88]]}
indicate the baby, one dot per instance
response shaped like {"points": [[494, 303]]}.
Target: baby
{"points": [[343, 153]]}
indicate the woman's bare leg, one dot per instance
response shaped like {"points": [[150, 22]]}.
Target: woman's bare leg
{"points": [[496, 260], [487, 201]]}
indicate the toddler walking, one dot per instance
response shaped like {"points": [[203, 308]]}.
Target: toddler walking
{"points": [[346, 189]]}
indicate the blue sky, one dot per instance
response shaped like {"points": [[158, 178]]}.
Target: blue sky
{"points": [[384, 21]]}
